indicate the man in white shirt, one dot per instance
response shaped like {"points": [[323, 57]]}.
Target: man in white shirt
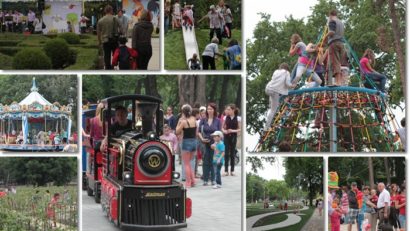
{"points": [[383, 204]]}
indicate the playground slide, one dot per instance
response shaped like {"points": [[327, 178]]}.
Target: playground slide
{"points": [[191, 46]]}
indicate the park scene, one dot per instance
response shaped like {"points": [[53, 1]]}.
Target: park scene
{"points": [[79, 35], [38, 114], [38, 193], [333, 77], [284, 193], [201, 127], [367, 193], [203, 35]]}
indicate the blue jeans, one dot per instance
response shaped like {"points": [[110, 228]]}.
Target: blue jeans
{"points": [[360, 219], [402, 219], [217, 169], [379, 78], [166, 24], [207, 159]]}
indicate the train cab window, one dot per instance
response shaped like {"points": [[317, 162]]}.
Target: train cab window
{"points": [[121, 123]]}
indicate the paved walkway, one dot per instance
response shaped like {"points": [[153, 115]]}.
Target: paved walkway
{"points": [[213, 209], [315, 223], [292, 219], [156, 55]]}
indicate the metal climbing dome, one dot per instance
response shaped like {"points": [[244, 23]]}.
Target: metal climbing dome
{"points": [[355, 117]]}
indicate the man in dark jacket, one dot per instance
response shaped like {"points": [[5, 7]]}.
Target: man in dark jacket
{"points": [[141, 39], [353, 213]]}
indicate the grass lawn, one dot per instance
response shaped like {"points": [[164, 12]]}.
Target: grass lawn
{"points": [[272, 219], [256, 209], [305, 218], [11, 43], [175, 51]]}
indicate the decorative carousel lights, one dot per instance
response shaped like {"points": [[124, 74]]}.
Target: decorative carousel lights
{"points": [[34, 124]]}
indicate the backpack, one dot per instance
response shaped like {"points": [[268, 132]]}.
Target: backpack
{"points": [[124, 58]]}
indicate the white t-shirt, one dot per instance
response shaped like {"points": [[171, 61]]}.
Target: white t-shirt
{"points": [[402, 134], [384, 197], [210, 50]]}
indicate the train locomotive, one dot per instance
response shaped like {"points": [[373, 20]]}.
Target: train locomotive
{"points": [[134, 176]]}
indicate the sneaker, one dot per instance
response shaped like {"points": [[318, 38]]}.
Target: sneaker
{"points": [[215, 187], [219, 186], [232, 174], [226, 174], [213, 183], [205, 184]]}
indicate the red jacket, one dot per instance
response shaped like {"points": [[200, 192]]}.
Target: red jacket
{"points": [[133, 53]]}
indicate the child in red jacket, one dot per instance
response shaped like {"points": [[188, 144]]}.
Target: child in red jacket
{"points": [[125, 57]]}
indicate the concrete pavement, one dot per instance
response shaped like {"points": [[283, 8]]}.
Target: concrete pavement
{"points": [[154, 62], [213, 209]]}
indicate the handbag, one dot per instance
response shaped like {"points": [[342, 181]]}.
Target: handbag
{"points": [[114, 36], [43, 26]]}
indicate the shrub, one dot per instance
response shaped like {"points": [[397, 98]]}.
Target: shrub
{"points": [[72, 57], [58, 51], [31, 58], [70, 38], [9, 50]]}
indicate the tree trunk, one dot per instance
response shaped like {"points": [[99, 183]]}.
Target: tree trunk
{"points": [[387, 170], [222, 100], [212, 94], [200, 89], [138, 87], [397, 45], [371, 172], [151, 86], [186, 88], [239, 96]]}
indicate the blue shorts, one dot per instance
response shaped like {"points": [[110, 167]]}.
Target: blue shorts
{"points": [[189, 145]]}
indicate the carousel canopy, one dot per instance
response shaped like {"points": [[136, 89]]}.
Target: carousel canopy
{"points": [[34, 96]]}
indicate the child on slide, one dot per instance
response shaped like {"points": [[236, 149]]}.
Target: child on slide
{"points": [[188, 17], [193, 62], [279, 85]]}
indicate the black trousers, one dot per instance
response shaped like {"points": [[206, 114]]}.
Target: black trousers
{"points": [[109, 48], [208, 61], [30, 27], [230, 148], [144, 55], [229, 25], [218, 32]]}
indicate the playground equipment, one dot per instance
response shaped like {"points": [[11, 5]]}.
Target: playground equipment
{"points": [[351, 118], [190, 43]]}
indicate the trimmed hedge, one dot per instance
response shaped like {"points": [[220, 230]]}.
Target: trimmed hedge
{"points": [[31, 59], [58, 51], [70, 38], [9, 50]]}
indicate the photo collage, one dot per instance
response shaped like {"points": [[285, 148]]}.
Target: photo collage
{"points": [[203, 115]]}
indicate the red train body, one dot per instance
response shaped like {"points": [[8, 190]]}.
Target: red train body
{"points": [[134, 178]]}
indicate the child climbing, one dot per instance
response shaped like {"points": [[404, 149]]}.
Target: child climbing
{"points": [[366, 63], [279, 85], [188, 17], [193, 62], [306, 64], [124, 56]]}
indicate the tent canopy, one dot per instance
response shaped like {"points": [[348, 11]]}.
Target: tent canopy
{"points": [[34, 96]]}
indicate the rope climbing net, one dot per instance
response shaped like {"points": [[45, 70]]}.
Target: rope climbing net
{"points": [[351, 118]]}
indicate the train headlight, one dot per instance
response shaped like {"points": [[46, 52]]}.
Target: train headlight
{"points": [[152, 136], [175, 175], [127, 177]]}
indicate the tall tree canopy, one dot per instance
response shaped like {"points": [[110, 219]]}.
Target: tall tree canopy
{"points": [[38, 171], [368, 24], [173, 90]]}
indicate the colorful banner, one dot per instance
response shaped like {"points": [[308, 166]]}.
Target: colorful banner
{"points": [[133, 9], [56, 15]]}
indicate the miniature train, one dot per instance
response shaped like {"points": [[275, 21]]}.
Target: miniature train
{"points": [[134, 177]]}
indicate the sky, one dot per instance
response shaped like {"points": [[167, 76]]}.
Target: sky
{"points": [[278, 9], [275, 171]]}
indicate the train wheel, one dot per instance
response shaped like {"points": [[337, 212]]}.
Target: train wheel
{"points": [[97, 196], [89, 191]]}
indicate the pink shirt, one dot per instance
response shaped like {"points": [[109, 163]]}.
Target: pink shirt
{"points": [[363, 64], [171, 137], [96, 131]]}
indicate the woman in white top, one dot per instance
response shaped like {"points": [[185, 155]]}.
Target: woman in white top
{"points": [[278, 86], [38, 25], [208, 56]]}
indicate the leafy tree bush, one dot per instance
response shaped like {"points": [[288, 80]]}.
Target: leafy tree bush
{"points": [[30, 59], [58, 51], [70, 38]]}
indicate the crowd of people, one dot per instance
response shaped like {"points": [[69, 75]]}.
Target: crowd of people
{"points": [[18, 22], [382, 208], [220, 26], [200, 136], [112, 33]]}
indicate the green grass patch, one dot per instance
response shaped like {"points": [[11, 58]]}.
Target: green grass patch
{"points": [[256, 209], [272, 219], [6, 62], [175, 51], [305, 218], [86, 59]]}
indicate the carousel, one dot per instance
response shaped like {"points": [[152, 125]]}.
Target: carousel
{"points": [[34, 124]]}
